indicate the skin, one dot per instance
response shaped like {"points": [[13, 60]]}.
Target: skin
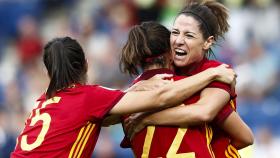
{"points": [[186, 37]]}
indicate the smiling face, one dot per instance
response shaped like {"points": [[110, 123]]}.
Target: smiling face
{"points": [[187, 43]]}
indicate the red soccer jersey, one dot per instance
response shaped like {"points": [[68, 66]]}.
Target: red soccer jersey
{"points": [[221, 141], [66, 125], [167, 141]]}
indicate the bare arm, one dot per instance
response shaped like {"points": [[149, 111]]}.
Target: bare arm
{"points": [[203, 110], [170, 94], [241, 135]]}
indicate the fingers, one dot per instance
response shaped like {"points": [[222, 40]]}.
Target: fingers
{"points": [[131, 132], [129, 121], [132, 136], [132, 127], [134, 130], [162, 76]]}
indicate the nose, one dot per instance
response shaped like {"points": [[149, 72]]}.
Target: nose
{"points": [[179, 40]]}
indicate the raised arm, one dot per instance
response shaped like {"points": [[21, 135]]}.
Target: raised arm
{"points": [[170, 94]]}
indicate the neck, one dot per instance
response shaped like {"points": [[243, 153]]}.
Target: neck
{"points": [[189, 68], [83, 80]]}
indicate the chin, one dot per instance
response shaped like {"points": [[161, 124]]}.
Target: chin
{"points": [[180, 63]]}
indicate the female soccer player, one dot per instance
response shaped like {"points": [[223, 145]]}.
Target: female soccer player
{"points": [[148, 47], [66, 119], [195, 30]]}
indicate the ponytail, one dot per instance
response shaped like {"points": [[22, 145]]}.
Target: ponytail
{"points": [[65, 62], [212, 16], [134, 51], [221, 14], [145, 46]]}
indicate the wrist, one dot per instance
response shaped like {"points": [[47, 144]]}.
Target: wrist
{"points": [[213, 73]]}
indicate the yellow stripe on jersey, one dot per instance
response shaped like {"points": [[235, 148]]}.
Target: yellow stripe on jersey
{"points": [[233, 151], [209, 135], [86, 140], [82, 138], [75, 143], [78, 149], [232, 104], [227, 154], [148, 141]]}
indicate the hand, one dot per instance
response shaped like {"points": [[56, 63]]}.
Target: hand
{"points": [[137, 127], [152, 83], [225, 74], [134, 124]]}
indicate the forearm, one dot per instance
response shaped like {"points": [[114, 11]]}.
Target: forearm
{"points": [[168, 95], [240, 134], [204, 110], [176, 116], [176, 92]]}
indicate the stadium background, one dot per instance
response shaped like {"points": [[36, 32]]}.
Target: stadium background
{"points": [[252, 46]]}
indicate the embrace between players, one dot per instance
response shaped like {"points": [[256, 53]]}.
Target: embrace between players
{"points": [[190, 114]]}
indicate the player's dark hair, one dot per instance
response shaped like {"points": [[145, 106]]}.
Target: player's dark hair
{"points": [[145, 46], [65, 62], [212, 17]]}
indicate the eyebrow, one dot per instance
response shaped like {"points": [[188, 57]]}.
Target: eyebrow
{"points": [[185, 32]]}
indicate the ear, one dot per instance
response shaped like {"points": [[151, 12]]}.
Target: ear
{"points": [[208, 43]]}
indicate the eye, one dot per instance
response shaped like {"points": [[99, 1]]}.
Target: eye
{"points": [[174, 32], [189, 36]]}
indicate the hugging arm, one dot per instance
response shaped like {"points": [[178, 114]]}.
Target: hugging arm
{"points": [[204, 110], [170, 94], [241, 135]]}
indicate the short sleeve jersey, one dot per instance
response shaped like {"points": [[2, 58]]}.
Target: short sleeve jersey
{"points": [[66, 125], [167, 141], [221, 141]]}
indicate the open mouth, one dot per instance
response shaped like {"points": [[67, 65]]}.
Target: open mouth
{"points": [[180, 52]]}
